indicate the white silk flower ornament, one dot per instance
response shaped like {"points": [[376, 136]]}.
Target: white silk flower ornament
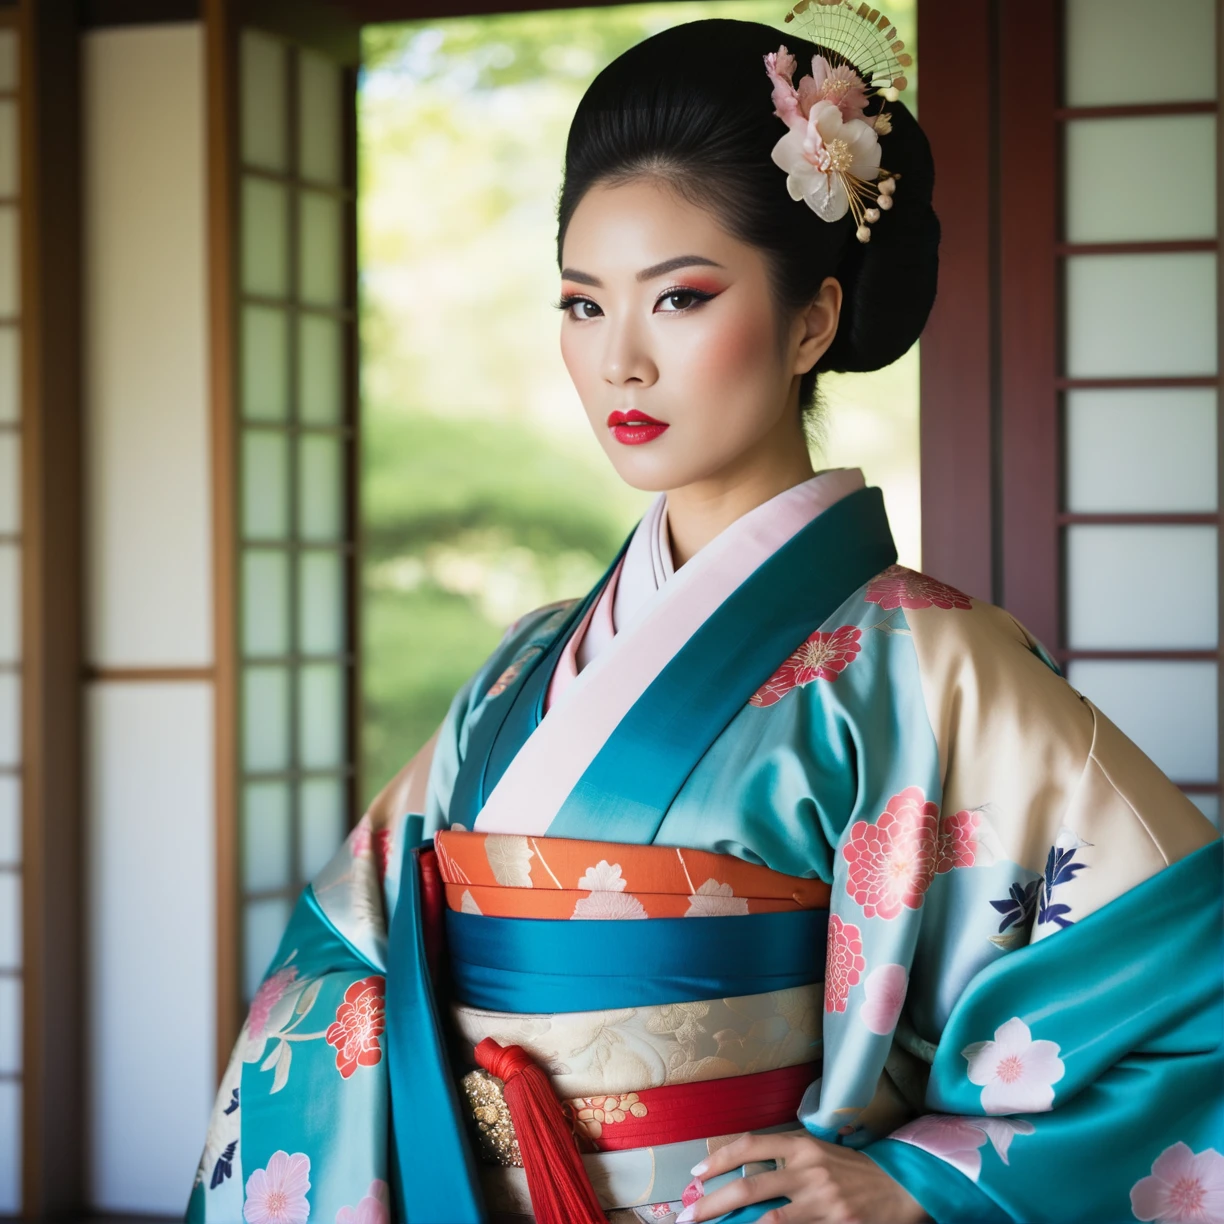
{"points": [[818, 160]]}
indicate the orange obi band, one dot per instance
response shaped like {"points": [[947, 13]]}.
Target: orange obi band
{"points": [[649, 1118], [506, 875]]}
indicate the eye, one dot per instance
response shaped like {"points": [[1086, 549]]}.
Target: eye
{"points": [[693, 297], [571, 300]]}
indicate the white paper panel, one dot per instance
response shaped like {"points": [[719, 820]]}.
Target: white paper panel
{"points": [[265, 238], [10, 920], [321, 249], [1107, 192], [1120, 51], [323, 825], [9, 60], [320, 487], [1141, 315], [1174, 605], [10, 481], [321, 619], [265, 484], [148, 511], [265, 718], [265, 602], [1209, 805], [264, 90], [151, 881], [10, 375], [265, 836], [1171, 710], [321, 371], [1141, 450], [10, 819], [10, 1148], [10, 1024], [10, 161], [323, 718], [319, 118], [10, 719], [10, 263], [265, 364], [263, 925], [10, 603]]}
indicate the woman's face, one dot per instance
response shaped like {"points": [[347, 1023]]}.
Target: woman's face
{"points": [[670, 335]]}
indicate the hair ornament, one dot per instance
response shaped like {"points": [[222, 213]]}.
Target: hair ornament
{"points": [[831, 150]]}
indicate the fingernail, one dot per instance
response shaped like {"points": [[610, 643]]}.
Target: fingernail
{"points": [[698, 1170], [686, 1216]]}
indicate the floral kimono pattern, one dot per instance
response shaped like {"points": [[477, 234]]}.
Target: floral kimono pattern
{"points": [[1022, 1011]]}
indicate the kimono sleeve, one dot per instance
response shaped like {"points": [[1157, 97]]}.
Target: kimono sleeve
{"points": [[1044, 990]]}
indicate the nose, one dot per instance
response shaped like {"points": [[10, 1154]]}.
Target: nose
{"points": [[626, 356]]}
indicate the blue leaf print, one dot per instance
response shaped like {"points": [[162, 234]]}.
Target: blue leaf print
{"points": [[229, 1109], [1018, 906], [225, 1165], [1060, 867]]}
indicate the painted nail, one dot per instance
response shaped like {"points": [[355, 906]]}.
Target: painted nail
{"points": [[686, 1216], [698, 1170]]}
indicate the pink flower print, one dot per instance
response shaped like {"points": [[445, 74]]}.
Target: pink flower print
{"points": [[957, 1139], [692, 1192], [892, 862], [374, 1208], [884, 989], [898, 587], [957, 841], [367, 840], [1184, 1188], [844, 963], [269, 994], [953, 1139], [360, 1020], [277, 1194], [823, 656], [1016, 1073]]}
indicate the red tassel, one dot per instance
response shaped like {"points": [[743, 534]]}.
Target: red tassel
{"points": [[561, 1192]]}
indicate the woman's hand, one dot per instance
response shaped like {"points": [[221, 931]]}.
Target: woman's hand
{"points": [[826, 1184]]}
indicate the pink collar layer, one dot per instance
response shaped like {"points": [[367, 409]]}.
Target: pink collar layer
{"points": [[647, 565]]}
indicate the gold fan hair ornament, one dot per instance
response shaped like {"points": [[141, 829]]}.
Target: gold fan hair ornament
{"points": [[831, 150]]}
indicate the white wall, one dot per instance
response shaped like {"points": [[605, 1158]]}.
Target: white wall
{"points": [[150, 759]]}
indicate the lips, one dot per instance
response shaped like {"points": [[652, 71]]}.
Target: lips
{"points": [[634, 428]]}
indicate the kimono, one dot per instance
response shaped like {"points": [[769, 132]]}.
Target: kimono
{"points": [[812, 840]]}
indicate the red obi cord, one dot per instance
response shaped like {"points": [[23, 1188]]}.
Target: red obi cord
{"points": [[680, 1112]]}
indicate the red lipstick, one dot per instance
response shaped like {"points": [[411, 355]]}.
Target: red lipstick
{"points": [[633, 428]]}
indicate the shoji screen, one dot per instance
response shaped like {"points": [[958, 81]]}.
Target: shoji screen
{"points": [[10, 637], [1141, 376], [295, 440]]}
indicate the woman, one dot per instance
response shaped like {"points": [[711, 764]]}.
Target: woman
{"points": [[956, 949]]}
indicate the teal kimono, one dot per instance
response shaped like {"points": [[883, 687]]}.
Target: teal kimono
{"points": [[1022, 1008]]}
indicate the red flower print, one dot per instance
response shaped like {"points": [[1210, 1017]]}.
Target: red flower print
{"points": [[844, 963], [824, 656], [898, 587], [957, 841], [365, 840], [359, 1021], [892, 862]]}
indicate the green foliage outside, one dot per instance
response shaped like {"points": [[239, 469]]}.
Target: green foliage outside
{"points": [[484, 493]]}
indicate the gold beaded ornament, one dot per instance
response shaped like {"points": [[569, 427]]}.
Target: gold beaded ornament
{"points": [[831, 149]]}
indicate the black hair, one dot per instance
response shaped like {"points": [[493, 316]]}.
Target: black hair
{"points": [[692, 107]]}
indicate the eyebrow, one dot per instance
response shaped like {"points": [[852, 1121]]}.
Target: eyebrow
{"points": [[668, 265]]}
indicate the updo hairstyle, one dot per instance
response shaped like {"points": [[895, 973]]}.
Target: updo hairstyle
{"points": [[692, 107]]}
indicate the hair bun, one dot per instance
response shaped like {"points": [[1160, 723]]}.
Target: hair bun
{"points": [[888, 284]]}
